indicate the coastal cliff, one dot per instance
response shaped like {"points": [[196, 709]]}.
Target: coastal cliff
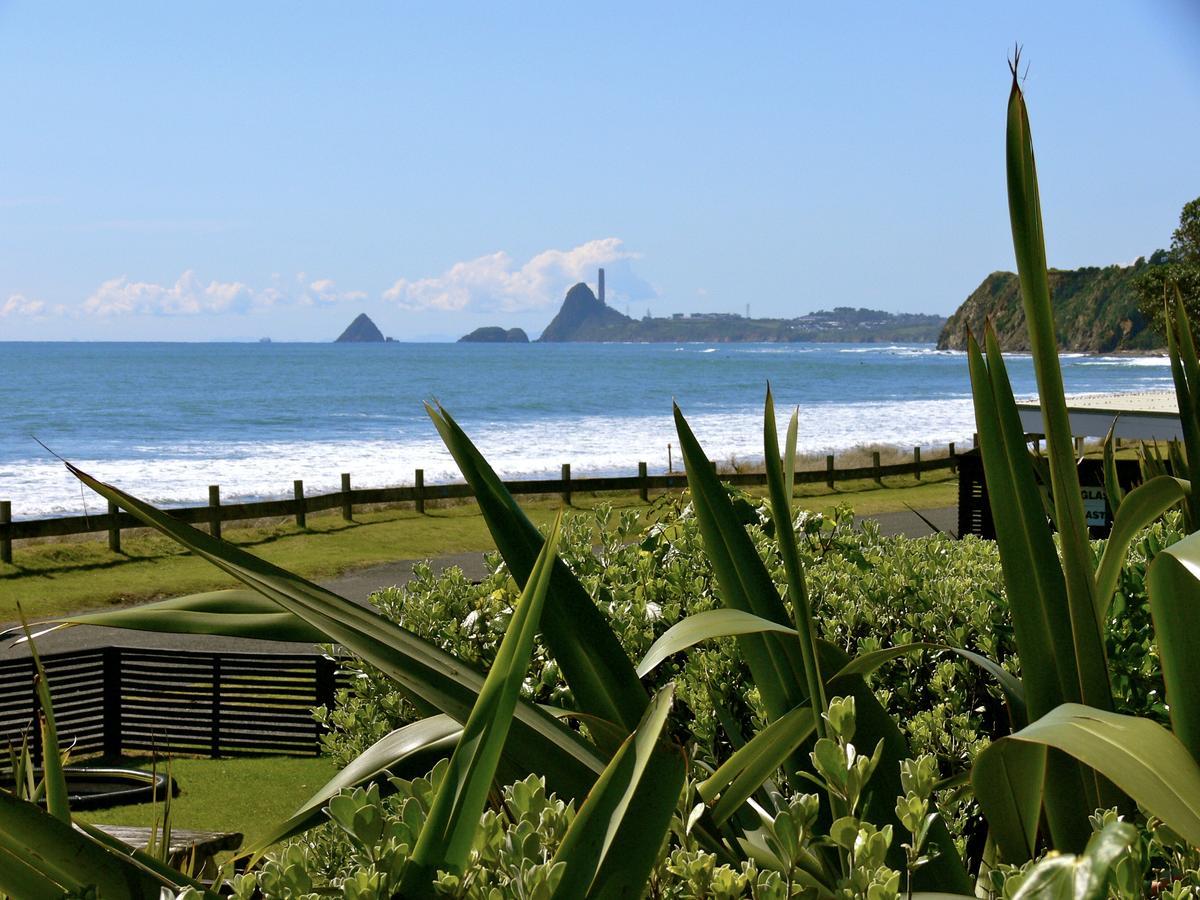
{"points": [[1095, 311]]}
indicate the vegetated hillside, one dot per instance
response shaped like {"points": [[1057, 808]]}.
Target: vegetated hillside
{"points": [[1095, 311], [584, 318], [493, 334]]}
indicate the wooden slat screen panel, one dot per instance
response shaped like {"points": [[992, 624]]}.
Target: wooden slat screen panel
{"points": [[974, 512], [119, 699], [77, 686], [221, 704]]}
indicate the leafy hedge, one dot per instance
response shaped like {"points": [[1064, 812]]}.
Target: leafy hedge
{"points": [[869, 591]]}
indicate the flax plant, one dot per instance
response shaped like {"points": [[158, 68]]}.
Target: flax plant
{"points": [[1075, 755]]}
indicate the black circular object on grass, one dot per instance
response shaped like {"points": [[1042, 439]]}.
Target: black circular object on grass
{"points": [[102, 787]]}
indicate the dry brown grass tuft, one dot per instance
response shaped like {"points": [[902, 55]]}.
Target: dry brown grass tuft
{"points": [[855, 457]]}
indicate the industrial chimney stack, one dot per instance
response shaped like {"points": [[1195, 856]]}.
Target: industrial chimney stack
{"points": [[601, 285]]}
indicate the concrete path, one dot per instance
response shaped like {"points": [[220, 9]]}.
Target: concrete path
{"points": [[908, 523], [359, 584]]}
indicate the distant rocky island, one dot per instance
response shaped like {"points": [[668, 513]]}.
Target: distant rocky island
{"points": [[1095, 311], [492, 334], [586, 317], [362, 331]]}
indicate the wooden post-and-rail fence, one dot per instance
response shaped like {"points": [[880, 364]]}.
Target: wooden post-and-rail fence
{"points": [[298, 505]]}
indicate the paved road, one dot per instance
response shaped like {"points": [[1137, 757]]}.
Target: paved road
{"points": [[360, 584], [909, 523]]}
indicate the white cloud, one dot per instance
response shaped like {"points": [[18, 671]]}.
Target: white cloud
{"points": [[494, 282], [20, 305], [324, 290], [187, 296], [190, 296], [488, 283]]}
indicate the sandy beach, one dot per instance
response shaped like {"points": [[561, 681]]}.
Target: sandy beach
{"points": [[1122, 402]]}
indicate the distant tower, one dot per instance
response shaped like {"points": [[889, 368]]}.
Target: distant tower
{"points": [[601, 285]]}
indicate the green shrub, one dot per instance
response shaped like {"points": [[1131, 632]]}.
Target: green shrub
{"points": [[869, 591], [363, 850]]}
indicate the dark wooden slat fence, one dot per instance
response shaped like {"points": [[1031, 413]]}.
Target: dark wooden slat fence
{"points": [[299, 505], [975, 511], [114, 700]]}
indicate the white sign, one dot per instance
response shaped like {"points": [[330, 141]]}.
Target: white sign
{"points": [[1095, 506]]}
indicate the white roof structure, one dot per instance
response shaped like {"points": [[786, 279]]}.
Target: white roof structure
{"points": [[1145, 415]]}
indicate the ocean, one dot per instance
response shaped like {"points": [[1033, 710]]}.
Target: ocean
{"points": [[165, 420]]}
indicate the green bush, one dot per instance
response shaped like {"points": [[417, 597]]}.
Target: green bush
{"points": [[869, 591], [363, 851]]}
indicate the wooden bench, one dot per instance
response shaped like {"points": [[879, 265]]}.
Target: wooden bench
{"points": [[197, 848]]}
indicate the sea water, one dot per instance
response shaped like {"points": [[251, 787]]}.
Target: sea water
{"points": [[165, 420]]}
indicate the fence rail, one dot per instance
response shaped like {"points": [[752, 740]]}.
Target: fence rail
{"points": [[298, 506], [114, 700]]}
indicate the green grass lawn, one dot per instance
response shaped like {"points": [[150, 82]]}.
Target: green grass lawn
{"points": [[55, 577], [245, 794]]}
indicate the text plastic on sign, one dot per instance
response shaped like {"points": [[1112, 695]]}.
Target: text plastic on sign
{"points": [[1095, 506]]}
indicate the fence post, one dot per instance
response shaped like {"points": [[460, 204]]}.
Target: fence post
{"points": [[325, 693], [419, 490], [214, 511], [112, 701], [953, 455], [670, 467], [829, 471], [114, 527], [875, 465], [347, 506], [301, 506], [917, 461], [566, 484], [975, 439], [326, 684], [215, 741], [6, 538], [1079, 446], [643, 487]]}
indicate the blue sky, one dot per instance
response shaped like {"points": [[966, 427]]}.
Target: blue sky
{"points": [[229, 171]]}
